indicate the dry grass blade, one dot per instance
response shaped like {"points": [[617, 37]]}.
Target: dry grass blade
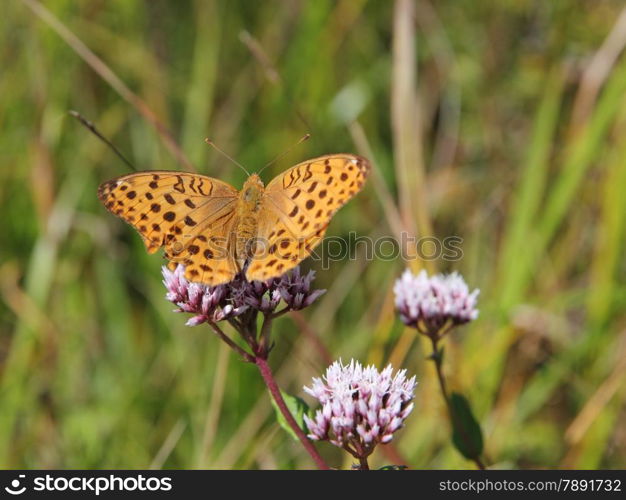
{"points": [[597, 402], [255, 48], [386, 199], [448, 130], [405, 121], [215, 405], [99, 66], [168, 445], [311, 334], [270, 71], [596, 73]]}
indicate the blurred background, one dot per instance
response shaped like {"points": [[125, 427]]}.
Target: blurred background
{"points": [[500, 122]]}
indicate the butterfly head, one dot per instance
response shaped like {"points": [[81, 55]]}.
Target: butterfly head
{"points": [[252, 191]]}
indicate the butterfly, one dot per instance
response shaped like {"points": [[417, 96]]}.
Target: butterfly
{"points": [[216, 231]]}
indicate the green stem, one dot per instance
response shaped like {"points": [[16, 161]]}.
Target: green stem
{"points": [[437, 358]]}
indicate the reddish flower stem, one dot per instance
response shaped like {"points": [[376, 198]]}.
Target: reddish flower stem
{"points": [[218, 331], [272, 386]]}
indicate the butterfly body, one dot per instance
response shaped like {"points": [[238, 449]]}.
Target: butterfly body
{"points": [[216, 231], [248, 209]]}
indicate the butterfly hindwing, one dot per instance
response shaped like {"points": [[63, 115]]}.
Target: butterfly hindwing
{"points": [[208, 258]]}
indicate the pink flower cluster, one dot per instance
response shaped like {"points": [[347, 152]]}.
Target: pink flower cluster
{"points": [[207, 303], [211, 304], [429, 303], [361, 407]]}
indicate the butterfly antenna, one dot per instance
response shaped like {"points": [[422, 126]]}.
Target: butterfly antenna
{"points": [[305, 137], [213, 145], [92, 128]]}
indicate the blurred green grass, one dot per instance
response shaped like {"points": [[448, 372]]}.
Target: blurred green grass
{"points": [[522, 110]]}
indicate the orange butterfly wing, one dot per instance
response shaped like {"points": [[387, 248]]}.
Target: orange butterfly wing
{"points": [[297, 207], [191, 215]]}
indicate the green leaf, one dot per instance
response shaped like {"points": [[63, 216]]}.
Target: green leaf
{"points": [[298, 408], [466, 434], [393, 467]]}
